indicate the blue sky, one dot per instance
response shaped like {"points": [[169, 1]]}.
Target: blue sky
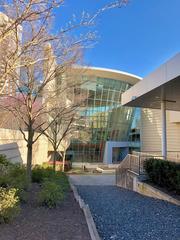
{"points": [[136, 38]]}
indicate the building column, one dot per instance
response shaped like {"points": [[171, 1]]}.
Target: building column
{"points": [[164, 134], [107, 159]]}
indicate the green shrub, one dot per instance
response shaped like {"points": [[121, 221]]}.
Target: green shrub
{"points": [[15, 177], [47, 165], [17, 169], [51, 194], [18, 176], [9, 204], [164, 173], [3, 160], [67, 166], [54, 185], [5, 181], [4, 165], [62, 180], [178, 182], [39, 174], [19, 181]]}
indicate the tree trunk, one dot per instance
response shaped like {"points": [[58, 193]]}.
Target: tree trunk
{"points": [[29, 154], [29, 162], [54, 159], [55, 146], [64, 156]]}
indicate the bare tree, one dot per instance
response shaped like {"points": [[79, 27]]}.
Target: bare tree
{"points": [[32, 68], [64, 115], [37, 91], [60, 132], [23, 25], [29, 66]]}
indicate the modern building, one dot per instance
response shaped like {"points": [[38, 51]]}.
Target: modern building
{"points": [[9, 49], [158, 96], [105, 124]]}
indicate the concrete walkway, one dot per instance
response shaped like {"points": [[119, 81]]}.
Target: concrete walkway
{"points": [[93, 180]]}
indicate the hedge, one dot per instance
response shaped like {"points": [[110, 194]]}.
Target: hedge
{"points": [[163, 173]]}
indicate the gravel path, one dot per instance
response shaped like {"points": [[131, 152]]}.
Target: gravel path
{"points": [[122, 214]]}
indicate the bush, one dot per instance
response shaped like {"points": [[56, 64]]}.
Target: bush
{"points": [[67, 166], [37, 174], [62, 180], [40, 174], [4, 164], [5, 181], [3, 160], [51, 194], [164, 173], [9, 204], [54, 185], [47, 165], [15, 177]]}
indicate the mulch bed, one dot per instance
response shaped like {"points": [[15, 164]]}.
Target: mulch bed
{"points": [[65, 222]]}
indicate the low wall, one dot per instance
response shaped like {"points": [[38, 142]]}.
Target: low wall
{"points": [[11, 151], [126, 179], [147, 190], [15, 138], [130, 180]]}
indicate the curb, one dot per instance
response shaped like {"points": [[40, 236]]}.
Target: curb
{"points": [[87, 213]]}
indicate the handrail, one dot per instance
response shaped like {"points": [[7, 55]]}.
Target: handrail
{"points": [[131, 162], [172, 156], [134, 163]]}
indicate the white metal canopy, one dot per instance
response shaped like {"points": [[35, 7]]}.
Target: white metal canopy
{"points": [[161, 85], [159, 90]]}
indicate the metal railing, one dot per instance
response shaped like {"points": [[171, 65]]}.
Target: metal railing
{"points": [[133, 163], [172, 156]]}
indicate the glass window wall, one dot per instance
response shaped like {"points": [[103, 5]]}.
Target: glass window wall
{"points": [[105, 118]]}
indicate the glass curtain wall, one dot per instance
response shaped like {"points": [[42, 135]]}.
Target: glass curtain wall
{"points": [[102, 118]]}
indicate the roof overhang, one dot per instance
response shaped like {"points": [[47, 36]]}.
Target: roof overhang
{"points": [[161, 85], [107, 73]]}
